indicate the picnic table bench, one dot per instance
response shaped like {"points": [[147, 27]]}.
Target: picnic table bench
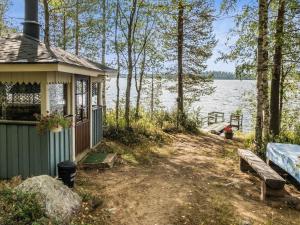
{"points": [[272, 184]]}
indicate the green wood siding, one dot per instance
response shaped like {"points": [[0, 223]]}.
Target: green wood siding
{"points": [[60, 149], [26, 153], [97, 126], [3, 151]]}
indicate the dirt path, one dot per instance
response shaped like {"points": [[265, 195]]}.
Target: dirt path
{"points": [[198, 182]]}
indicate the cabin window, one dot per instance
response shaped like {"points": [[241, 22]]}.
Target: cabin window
{"points": [[58, 98], [19, 101], [82, 101], [95, 92]]}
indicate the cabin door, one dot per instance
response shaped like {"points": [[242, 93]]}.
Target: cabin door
{"points": [[82, 126]]}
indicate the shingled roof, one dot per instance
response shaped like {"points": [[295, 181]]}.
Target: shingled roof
{"points": [[21, 49]]}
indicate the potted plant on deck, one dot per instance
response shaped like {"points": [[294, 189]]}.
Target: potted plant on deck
{"points": [[53, 122], [228, 132]]}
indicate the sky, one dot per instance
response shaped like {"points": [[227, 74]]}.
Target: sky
{"points": [[221, 28]]}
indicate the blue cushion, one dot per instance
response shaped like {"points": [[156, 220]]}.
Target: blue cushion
{"points": [[286, 156]]}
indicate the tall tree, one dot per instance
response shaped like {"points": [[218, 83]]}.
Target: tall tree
{"points": [[47, 24], [77, 27], [189, 40], [103, 53], [139, 83], [143, 45], [131, 24], [241, 50], [277, 71], [180, 40], [117, 51], [4, 5], [262, 71], [65, 19]]}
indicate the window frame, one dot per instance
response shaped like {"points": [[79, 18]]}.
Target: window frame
{"points": [[84, 93]]}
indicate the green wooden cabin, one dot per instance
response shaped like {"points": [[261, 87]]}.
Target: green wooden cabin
{"points": [[36, 79]]}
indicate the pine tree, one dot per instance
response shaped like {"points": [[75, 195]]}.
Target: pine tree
{"points": [[190, 33], [277, 67]]}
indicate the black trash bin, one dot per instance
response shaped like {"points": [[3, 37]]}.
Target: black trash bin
{"points": [[67, 173]]}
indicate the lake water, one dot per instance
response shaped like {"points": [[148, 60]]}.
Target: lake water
{"points": [[229, 96]]}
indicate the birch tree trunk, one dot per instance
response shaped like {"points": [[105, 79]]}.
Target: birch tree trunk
{"points": [[180, 109], [140, 84], [77, 28], [276, 74], [262, 73], [130, 61], [118, 63], [103, 56], [152, 96]]}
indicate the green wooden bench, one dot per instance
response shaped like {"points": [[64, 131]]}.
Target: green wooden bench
{"points": [[272, 184]]}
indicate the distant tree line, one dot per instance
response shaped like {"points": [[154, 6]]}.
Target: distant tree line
{"points": [[215, 75], [222, 75]]}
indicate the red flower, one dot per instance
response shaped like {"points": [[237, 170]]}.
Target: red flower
{"points": [[228, 129]]}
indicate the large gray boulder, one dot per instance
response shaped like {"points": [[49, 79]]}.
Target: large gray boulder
{"points": [[59, 201]]}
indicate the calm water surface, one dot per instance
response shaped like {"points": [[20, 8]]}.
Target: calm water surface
{"points": [[229, 96]]}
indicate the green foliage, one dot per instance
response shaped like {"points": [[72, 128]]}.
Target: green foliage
{"points": [[52, 121], [4, 23], [221, 211], [238, 112], [146, 129], [142, 129], [221, 75], [166, 120], [85, 196], [20, 208], [289, 136]]}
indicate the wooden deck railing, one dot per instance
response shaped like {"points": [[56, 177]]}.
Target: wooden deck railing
{"points": [[213, 118]]}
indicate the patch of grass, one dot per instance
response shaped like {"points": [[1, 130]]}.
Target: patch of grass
{"points": [[85, 196], [230, 153], [276, 218], [92, 211], [13, 182], [130, 158], [143, 154], [206, 210]]}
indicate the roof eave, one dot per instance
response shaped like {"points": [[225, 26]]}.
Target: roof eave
{"points": [[49, 67], [67, 68], [111, 73]]}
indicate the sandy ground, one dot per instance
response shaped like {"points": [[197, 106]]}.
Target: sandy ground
{"points": [[195, 180]]}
